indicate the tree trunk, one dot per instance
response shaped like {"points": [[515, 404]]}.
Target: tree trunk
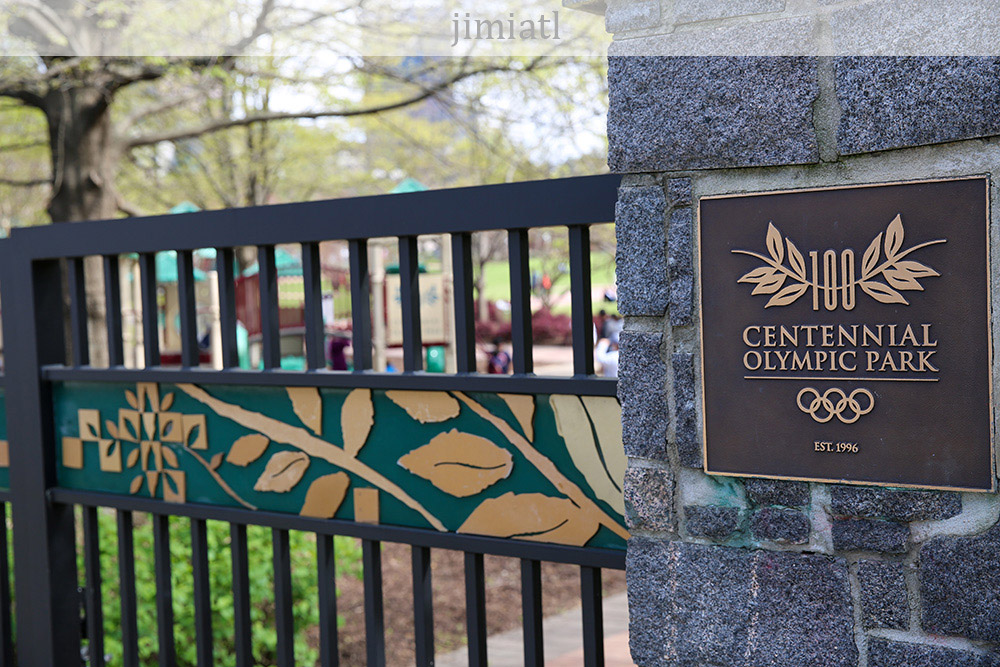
{"points": [[84, 157]]}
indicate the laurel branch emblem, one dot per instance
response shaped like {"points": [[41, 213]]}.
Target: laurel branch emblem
{"points": [[881, 279]]}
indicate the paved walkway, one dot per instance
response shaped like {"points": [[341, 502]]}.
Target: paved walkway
{"points": [[563, 636]]}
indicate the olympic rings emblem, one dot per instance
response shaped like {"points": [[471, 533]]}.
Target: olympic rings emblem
{"points": [[822, 407]]}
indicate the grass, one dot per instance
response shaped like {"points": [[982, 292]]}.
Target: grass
{"points": [[497, 284]]}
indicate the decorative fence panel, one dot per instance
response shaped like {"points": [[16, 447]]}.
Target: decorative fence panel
{"points": [[520, 465]]}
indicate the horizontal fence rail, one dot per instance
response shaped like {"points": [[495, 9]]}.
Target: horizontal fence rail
{"points": [[430, 460]]}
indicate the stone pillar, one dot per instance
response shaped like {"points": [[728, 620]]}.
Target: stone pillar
{"points": [[734, 572]]}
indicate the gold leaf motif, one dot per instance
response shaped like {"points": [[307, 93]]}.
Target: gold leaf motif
{"points": [[893, 238], [426, 406], [357, 416], [89, 424], [111, 428], [757, 274], [72, 453], [366, 505], [787, 296], [195, 425], [523, 407], [130, 397], [606, 414], [283, 471], [133, 458], [170, 457], [216, 461], [774, 246], [770, 284], [325, 495], [247, 449], [136, 484], [128, 425], [168, 400], [171, 427], [795, 260], [149, 424], [882, 293], [152, 480], [174, 486], [591, 459], [870, 259], [532, 516], [148, 391], [459, 463], [308, 406], [110, 455]]}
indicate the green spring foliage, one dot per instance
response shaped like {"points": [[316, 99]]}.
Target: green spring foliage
{"points": [[304, 586]]}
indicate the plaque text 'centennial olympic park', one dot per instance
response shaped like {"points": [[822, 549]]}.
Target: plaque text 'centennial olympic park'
{"points": [[845, 334]]}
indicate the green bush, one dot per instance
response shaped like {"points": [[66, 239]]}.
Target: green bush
{"points": [[304, 586]]}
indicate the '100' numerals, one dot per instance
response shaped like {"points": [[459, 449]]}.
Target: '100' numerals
{"points": [[835, 447]]}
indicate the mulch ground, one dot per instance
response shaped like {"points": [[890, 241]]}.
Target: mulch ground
{"points": [[560, 592]]}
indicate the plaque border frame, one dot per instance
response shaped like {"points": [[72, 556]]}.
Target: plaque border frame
{"points": [[987, 181]]}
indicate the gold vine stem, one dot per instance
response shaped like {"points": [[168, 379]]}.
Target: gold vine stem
{"points": [[889, 262], [546, 467], [811, 283], [311, 445], [218, 478]]}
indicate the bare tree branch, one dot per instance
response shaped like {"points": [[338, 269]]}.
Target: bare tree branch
{"points": [[225, 123], [23, 146], [25, 182]]}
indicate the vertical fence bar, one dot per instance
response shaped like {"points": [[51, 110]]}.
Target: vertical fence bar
{"points": [[531, 612], [126, 583], [475, 609], [269, 324], [284, 622], [225, 267], [520, 301], [326, 574], [167, 652], [202, 593], [582, 308], [371, 559], [409, 294], [113, 310], [150, 309], [465, 311], [593, 616], [6, 625], [361, 315], [48, 614], [76, 279], [92, 569], [312, 292], [423, 605], [242, 630], [188, 308]]}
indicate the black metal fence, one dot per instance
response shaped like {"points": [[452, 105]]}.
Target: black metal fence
{"points": [[40, 265]]}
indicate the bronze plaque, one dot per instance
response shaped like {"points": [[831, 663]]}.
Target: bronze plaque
{"points": [[846, 334]]}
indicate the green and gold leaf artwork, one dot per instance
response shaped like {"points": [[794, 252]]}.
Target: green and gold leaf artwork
{"points": [[517, 466], [284, 470], [325, 495], [247, 449], [357, 416], [595, 459], [460, 464], [426, 406], [531, 516]]}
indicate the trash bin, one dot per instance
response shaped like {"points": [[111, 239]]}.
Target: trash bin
{"points": [[434, 362]]}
